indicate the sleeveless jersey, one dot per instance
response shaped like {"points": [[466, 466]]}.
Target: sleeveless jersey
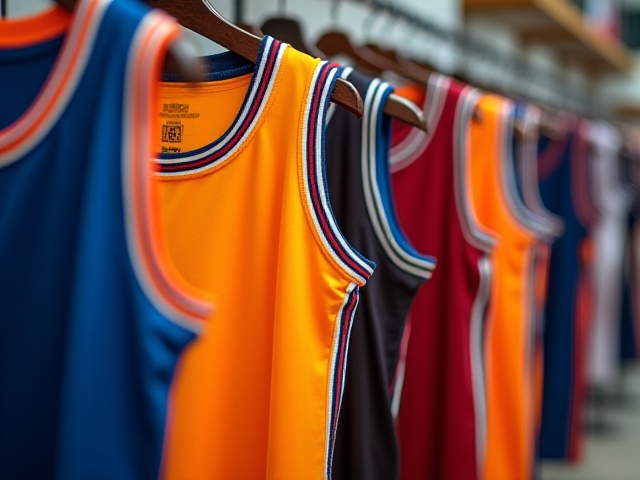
{"points": [[247, 217], [441, 423], [508, 341], [548, 228], [609, 244], [92, 316], [357, 154], [561, 169], [630, 327]]}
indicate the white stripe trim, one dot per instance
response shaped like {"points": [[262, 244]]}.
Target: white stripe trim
{"points": [[320, 176], [478, 359], [526, 219], [403, 259], [238, 123], [412, 147], [64, 64], [136, 104], [528, 166], [401, 371], [332, 422], [471, 229]]}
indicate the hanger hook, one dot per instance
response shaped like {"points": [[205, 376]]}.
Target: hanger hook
{"points": [[3, 8], [282, 7]]}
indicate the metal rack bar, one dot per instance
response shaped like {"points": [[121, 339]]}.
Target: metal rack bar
{"points": [[468, 45]]}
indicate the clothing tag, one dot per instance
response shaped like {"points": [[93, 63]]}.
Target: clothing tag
{"points": [[173, 129]]}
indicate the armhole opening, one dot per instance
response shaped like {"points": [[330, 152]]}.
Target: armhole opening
{"points": [[376, 139], [315, 192], [472, 230], [157, 276], [413, 146], [526, 220], [528, 166]]}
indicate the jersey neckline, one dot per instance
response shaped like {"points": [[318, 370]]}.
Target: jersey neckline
{"points": [[221, 151], [26, 32], [79, 30]]}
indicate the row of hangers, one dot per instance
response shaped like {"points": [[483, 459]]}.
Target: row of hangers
{"points": [[202, 18]]}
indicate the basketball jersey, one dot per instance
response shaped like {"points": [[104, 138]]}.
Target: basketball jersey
{"points": [[561, 174], [548, 228], [630, 327], [609, 248], [93, 316], [357, 163], [247, 217], [508, 336], [441, 422]]}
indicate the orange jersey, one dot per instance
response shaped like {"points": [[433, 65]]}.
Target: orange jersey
{"points": [[509, 389], [247, 218]]}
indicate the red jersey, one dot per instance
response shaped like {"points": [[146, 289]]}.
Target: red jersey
{"points": [[441, 423]]}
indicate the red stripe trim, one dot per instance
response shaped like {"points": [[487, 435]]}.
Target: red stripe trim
{"points": [[313, 122], [342, 350]]}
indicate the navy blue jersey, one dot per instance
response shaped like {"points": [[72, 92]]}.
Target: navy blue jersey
{"points": [[561, 165], [91, 322]]}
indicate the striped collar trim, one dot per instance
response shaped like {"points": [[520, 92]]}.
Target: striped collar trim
{"points": [[40, 28], [375, 173], [22, 136], [414, 145], [313, 170], [243, 126]]}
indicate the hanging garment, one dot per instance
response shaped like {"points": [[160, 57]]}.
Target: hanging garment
{"points": [[357, 163], [508, 334], [548, 227], [630, 330], [442, 418], [562, 173], [630, 324], [92, 316], [247, 218], [609, 248]]}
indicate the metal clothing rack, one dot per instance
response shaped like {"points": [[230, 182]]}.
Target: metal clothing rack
{"points": [[472, 48]]}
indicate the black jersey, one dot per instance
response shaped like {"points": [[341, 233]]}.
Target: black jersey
{"points": [[356, 156]]}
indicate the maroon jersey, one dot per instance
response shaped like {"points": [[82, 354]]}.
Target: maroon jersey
{"points": [[441, 420]]}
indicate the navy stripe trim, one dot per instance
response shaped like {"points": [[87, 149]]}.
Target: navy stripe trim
{"points": [[339, 368], [317, 192]]}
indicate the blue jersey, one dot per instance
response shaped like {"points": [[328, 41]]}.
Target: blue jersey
{"points": [[561, 165], [92, 319]]}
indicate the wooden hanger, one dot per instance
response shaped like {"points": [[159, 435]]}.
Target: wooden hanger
{"points": [[335, 43], [409, 69], [200, 17], [252, 29]]}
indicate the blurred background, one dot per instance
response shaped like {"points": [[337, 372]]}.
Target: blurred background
{"points": [[578, 55]]}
